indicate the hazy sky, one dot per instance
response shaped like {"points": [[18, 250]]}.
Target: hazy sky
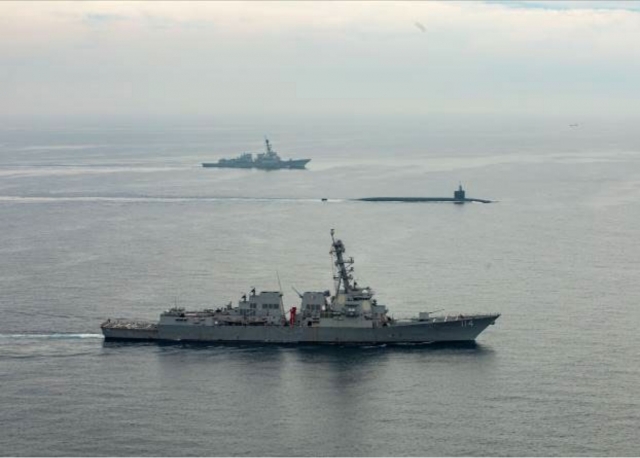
{"points": [[318, 58]]}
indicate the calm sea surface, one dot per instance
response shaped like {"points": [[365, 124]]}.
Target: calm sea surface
{"points": [[101, 220]]}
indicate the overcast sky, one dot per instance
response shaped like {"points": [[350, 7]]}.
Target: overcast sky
{"points": [[318, 58]]}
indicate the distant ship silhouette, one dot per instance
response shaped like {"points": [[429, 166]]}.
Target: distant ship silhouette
{"points": [[459, 197], [265, 161]]}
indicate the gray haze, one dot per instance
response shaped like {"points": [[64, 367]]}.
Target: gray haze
{"points": [[62, 59]]}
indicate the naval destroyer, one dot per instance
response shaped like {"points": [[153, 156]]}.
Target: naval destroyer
{"points": [[350, 316], [268, 160]]}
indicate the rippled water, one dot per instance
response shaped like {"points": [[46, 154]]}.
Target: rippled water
{"points": [[100, 222]]}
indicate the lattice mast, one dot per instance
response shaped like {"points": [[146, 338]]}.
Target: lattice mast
{"points": [[343, 265]]}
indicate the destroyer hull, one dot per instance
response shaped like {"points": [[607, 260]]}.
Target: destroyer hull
{"points": [[129, 334], [456, 330], [290, 164]]}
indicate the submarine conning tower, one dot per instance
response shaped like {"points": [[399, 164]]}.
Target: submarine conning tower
{"points": [[459, 194]]}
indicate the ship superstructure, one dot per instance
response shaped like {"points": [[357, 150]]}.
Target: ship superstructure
{"points": [[350, 316], [269, 160]]}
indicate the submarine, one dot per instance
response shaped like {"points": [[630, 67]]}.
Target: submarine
{"points": [[459, 197]]}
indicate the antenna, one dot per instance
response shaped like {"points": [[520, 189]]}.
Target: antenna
{"points": [[297, 292], [280, 286]]}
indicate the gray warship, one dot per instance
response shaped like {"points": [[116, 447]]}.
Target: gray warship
{"points": [[268, 160], [350, 316]]}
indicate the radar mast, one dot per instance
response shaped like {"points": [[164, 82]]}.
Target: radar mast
{"points": [[343, 276], [269, 150]]}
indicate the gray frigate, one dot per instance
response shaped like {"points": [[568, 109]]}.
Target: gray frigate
{"points": [[350, 316], [269, 160]]}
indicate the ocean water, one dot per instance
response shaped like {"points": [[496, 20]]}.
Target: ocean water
{"points": [[119, 220]]}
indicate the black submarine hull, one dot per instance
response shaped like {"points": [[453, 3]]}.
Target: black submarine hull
{"points": [[423, 199]]}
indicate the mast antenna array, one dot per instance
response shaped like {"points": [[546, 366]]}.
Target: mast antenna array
{"points": [[338, 249]]}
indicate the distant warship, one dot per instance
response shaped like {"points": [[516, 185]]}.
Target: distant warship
{"points": [[266, 161], [350, 316]]}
